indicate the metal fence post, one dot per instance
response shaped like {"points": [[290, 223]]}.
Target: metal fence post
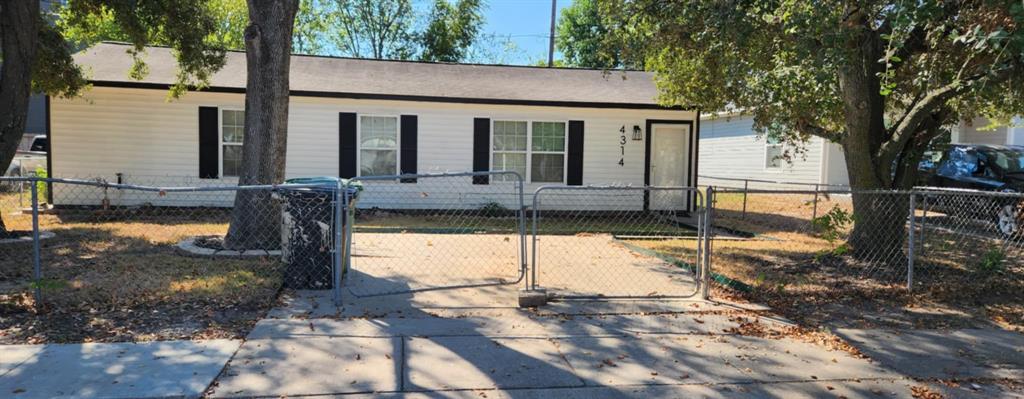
{"points": [[37, 270], [910, 243], [340, 222], [708, 235], [533, 246], [746, 183]]}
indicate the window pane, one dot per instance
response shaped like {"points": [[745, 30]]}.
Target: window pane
{"points": [[232, 126], [232, 134], [509, 136], [773, 156], [232, 160], [548, 136], [378, 132], [509, 161], [378, 162], [547, 168]]}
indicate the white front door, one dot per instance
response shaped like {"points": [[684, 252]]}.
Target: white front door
{"points": [[670, 155]]}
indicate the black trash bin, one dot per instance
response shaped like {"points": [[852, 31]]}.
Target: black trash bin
{"points": [[308, 232]]}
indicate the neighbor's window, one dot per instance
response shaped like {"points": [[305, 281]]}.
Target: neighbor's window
{"points": [[773, 153], [232, 127], [378, 145], [536, 150]]}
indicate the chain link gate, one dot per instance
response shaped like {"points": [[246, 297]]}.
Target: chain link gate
{"points": [[603, 242], [423, 232]]}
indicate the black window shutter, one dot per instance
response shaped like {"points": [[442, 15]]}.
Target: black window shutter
{"points": [[574, 176], [481, 148], [209, 153], [407, 165], [347, 138]]}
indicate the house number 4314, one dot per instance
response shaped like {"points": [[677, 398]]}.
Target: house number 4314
{"points": [[622, 145]]}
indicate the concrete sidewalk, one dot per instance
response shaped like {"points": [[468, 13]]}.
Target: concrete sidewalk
{"points": [[539, 357], [398, 347], [121, 370]]}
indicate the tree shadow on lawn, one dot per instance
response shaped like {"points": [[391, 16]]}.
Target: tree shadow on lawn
{"points": [[102, 283]]}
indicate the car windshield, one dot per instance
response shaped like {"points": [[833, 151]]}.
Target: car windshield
{"points": [[1010, 160]]}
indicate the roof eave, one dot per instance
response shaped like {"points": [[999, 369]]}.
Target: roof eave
{"points": [[402, 97]]}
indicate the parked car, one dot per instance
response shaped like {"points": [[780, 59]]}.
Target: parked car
{"points": [[27, 162], [997, 168]]}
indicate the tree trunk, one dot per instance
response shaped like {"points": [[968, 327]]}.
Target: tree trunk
{"points": [[256, 219], [19, 32], [878, 219]]}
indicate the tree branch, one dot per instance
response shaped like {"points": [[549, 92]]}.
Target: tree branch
{"points": [[912, 120]]}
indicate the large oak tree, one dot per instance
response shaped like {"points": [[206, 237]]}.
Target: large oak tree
{"points": [[881, 78], [36, 56]]}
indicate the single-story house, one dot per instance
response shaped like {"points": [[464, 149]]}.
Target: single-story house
{"points": [[357, 117], [731, 149]]}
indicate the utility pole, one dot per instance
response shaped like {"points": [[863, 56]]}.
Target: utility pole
{"points": [[551, 37]]}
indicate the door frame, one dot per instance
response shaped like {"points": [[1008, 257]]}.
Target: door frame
{"points": [[692, 161]]}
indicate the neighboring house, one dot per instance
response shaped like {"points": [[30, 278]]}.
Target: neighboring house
{"points": [[730, 149], [975, 132], [353, 117]]}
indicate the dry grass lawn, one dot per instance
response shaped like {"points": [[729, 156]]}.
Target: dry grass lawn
{"points": [[961, 280], [119, 277]]}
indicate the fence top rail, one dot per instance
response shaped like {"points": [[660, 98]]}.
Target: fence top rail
{"points": [[740, 179], [611, 187], [519, 177], [186, 189], [932, 191]]}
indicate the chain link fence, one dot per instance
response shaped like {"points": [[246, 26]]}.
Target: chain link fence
{"points": [[434, 231], [595, 242], [923, 258], [139, 262]]}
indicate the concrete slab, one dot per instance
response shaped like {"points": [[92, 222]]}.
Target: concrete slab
{"points": [[11, 356], [316, 365], [124, 370], [513, 325], [445, 363], [873, 389], [707, 359], [943, 354]]}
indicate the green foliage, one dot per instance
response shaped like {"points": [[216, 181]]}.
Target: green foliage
{"points": [[451, 30], [380, 29], [41, 186], [830, 227], [48, 284], [493, 209], [880, 78], [580, 37], [186, 26], [993, 260]]}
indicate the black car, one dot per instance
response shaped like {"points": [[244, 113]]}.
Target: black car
{"points": [[978, 167]]}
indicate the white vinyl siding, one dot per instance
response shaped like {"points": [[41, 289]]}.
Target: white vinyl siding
{"points": [[149, 140], [730, 148]]}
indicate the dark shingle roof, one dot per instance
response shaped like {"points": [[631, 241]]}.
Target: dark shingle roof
{"points": [[108, 64]]}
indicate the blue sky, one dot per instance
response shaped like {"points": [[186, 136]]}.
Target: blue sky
{"points": [[527, 22]]}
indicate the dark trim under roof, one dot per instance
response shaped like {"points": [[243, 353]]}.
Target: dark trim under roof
{"points": [[399, 97]]}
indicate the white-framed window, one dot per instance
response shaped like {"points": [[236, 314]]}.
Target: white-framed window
{"points": [[232, 130], [378, 145], [535, 149], [773, 153]]}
